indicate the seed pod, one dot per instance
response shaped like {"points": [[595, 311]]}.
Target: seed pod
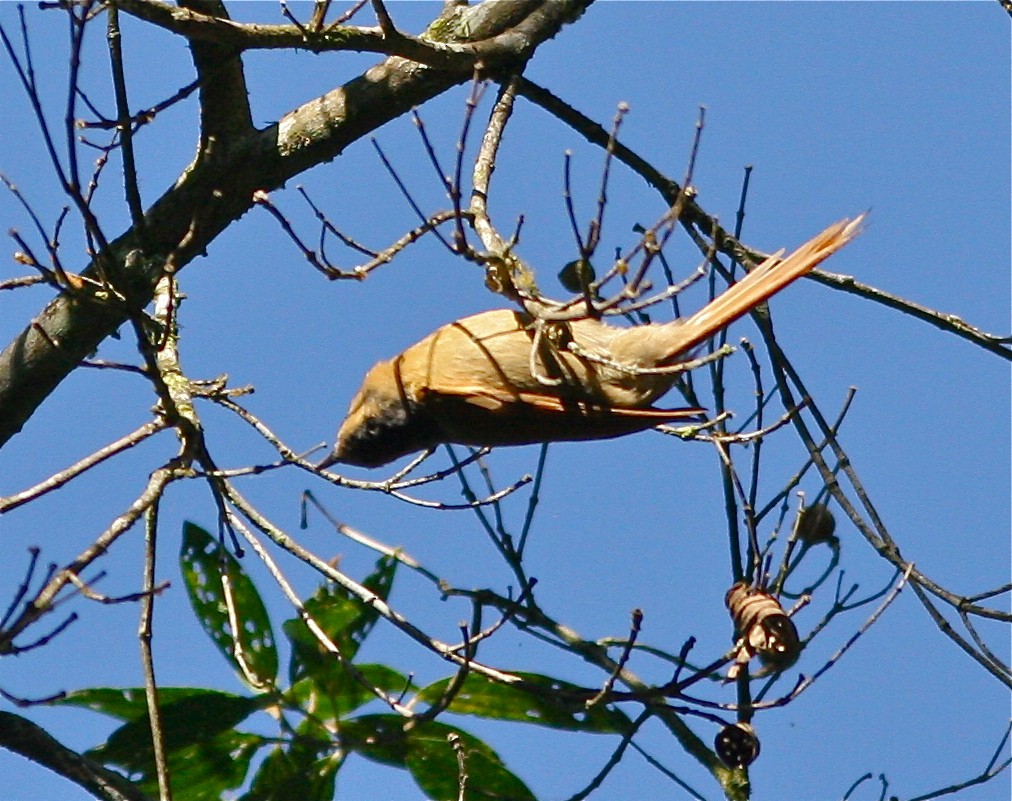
{"points": [[577, 276], [763, 627], [816, 525], [737, 745]]}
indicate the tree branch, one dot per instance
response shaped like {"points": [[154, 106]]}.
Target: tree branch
{"points": [[491, 34], [213, 193], [729, 245], [224, 99], [23, 737]]}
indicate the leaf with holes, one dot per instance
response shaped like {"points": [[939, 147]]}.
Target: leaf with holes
{"points": [[545, 702], [332, 691], [345, 618], [220, 590], [441, 758], [205, 771]]}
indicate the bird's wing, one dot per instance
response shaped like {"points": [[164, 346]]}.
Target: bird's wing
{"points": [[550, 403], [502, 402]]}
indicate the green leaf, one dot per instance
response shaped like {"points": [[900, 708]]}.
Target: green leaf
{"points": [[204, 562], [205, 771], [556, 704], [426, 751], [197, 717], [344, 618], [380, 581], [432, 758], [332, 695], [380, 738], [577, 275], [297, 771], [126, 703], [333, 614]]}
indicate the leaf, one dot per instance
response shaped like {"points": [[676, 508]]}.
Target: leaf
{"points": [[335, 694], [380, 581], [310, 657], [344, 618], [433, 761], [194, 718], [296, 771], [380, 738], [558, 704], [203, 561], [205, 771], [576, 276], [126, 703], [426, 751]]}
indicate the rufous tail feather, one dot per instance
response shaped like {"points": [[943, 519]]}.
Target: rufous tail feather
{"points": [[761, 283]]}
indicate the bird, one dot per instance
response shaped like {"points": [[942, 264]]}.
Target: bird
{"points": [[504, 377]]}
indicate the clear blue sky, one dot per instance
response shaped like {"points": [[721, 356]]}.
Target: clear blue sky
{"points": [[901, 108]]}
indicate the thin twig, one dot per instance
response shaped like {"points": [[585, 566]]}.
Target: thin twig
{"points": [[615, 758], [144, 634], [124, 125], [43, 600], [808, 681], [726, 243], [991, 770], [59, 479], [286, 588], [370, 598], [634, 633]]}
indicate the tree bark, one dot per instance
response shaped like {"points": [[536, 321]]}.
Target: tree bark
{"points": [[234, 162], [23, 737]]}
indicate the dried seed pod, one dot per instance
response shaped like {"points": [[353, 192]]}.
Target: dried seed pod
{"points": [[764, 628], [737, 745], [816, 525]]}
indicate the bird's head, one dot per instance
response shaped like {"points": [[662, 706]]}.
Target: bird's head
{"points": [[384, 422]]}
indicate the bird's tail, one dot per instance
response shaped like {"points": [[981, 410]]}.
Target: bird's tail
{"points": [[675, 339]]}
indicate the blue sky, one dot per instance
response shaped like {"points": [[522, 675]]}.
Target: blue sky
{"points": [[900, 108]]}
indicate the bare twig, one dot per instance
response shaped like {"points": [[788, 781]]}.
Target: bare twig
{"points": [[144, 634], [726, 243], [43, 600], [59, 479], [615, 758], [124, 125], [289, 593], [674, 777], [992, 769], [22, 590], [634, 633], [407, 194], [370, 598], [807, 681], [20, 735]]}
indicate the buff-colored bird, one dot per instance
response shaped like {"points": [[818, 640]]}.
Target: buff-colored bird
{"points": [[476, 382]]}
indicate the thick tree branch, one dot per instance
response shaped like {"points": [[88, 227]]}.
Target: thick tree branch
{"points": [[491, 33], [23, 737], [214, 192], [224, 99]]}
